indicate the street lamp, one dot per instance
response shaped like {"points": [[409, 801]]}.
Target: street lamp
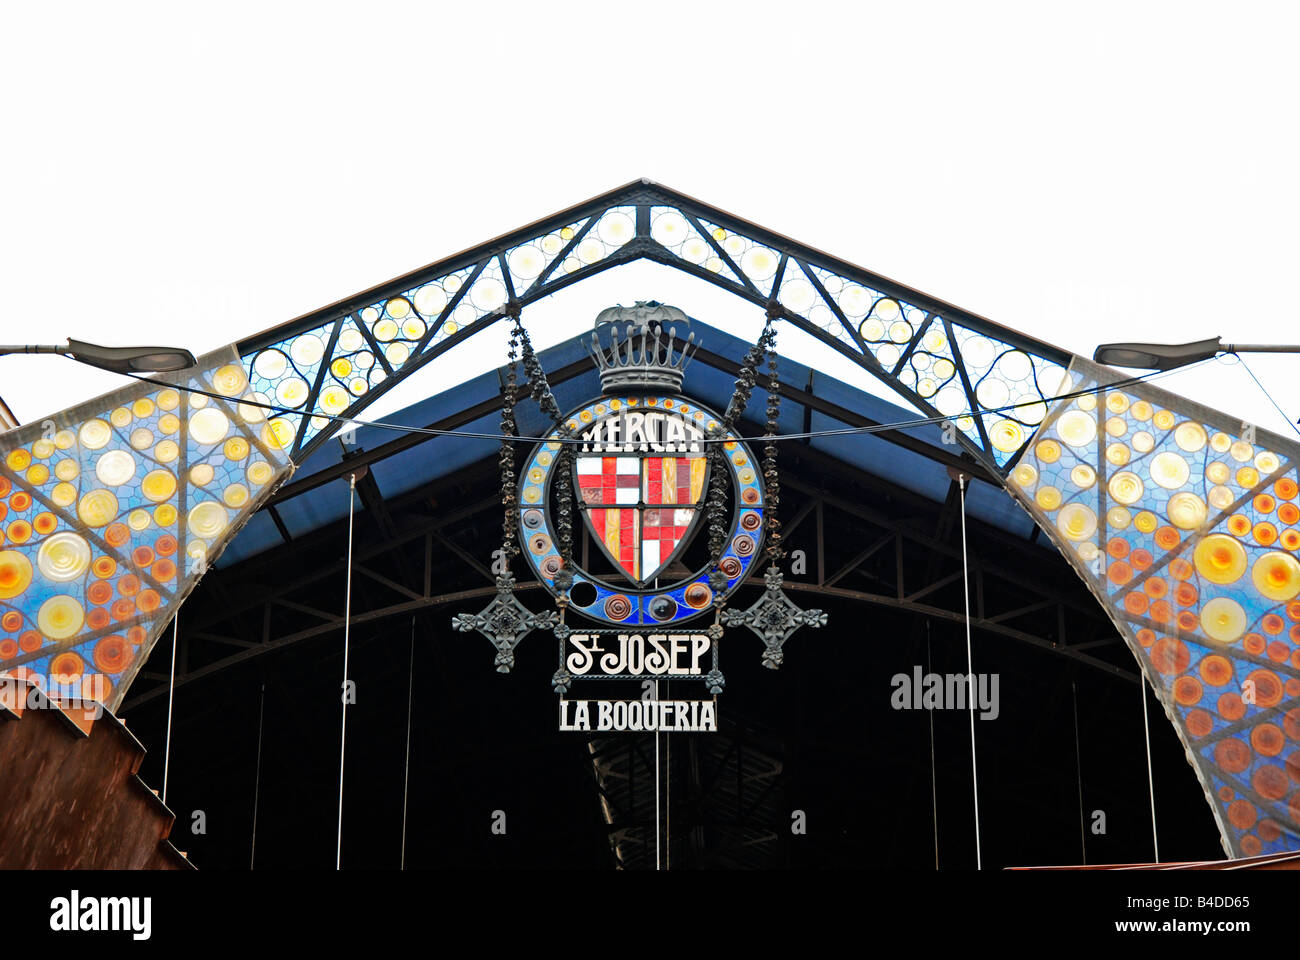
{"points": [[116, 359], [1170, 356]]}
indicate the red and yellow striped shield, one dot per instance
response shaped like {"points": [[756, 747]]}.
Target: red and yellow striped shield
{"points": [[641, 509]]}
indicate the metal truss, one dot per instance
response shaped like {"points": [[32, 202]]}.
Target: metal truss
{"points": [[943, 360]]}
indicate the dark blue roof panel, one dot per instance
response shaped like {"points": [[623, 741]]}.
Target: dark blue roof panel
{"points": [[424, 462]]}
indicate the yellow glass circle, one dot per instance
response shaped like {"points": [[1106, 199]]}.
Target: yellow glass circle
{"points": [[169, 423], [1223, 620], [1187, 511], [63, 556], [42, 448], [278, 433], [292, 392], [1142, 411], [67, 469], [1169, 470], [1048, 451], [1125, 487], [158, 485], [63, 494], [208, 426], [259, 472], [1087, 402], [1007, 436], [120, 417], [1277, 576], [1220, 442], [1190, 436], [1265, 462], [1119, 518], [1116, 427], [1247, 477], [230, 380], [139, 520], [385, 330], [166, 451], [341, 367], [1217, 472], [1049, 498], [95, 434], [97, 508], [1076, 521], [1220, 558], [236, 448], [1143, 442], [1241, 451], [207, 519], [169, 400], [307, 349], [115, 468], [1116, 402], [1083, 476], [60, 617], [164, 515], [1146, 522], [235, 495], [1024, 475], [1076, 428], [201, 474], [1220, 497], [142, 407], [37, 474], [1118, 454], [397, 353], [64, 439], [1163, 420], [333, 399]]}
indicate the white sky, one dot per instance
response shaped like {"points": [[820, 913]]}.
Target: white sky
{"points": [[189, 175]]}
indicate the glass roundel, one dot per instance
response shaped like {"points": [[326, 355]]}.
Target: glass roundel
{"points": [[641, 478]]}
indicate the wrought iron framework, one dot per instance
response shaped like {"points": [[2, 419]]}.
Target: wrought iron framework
{"points": [[944, 360], [1184, 523]]}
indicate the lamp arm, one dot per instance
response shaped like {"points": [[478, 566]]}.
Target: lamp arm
{"points": [[33, 348], [1261, 348]]}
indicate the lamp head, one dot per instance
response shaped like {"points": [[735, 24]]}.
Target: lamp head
{"points": [[1156, 356]]}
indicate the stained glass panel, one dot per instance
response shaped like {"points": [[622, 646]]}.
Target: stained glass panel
{"points": [[112, 510]]}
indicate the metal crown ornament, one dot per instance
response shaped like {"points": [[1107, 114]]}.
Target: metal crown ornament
{"points": [[644, 358]]}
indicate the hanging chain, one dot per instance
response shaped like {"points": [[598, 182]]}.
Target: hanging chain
{"points": [[540, 390], [716, 506], [509, 543], [775, 549], [540, 386]]}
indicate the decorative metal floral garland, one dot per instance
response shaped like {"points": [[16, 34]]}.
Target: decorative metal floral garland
{"points": [[774, 617], [505, 621]]}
